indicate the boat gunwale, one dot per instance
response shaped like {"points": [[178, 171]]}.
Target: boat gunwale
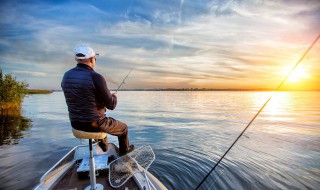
{"points": [[56, 164], [71, 163], [43, 179]]}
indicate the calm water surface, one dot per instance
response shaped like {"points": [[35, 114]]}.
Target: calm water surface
{"points": [[189, 131]]}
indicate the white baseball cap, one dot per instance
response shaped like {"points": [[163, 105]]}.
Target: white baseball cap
{"points": [[84, 52]]}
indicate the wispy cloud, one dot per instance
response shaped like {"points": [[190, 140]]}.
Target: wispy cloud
{"points": [[32, 73]]}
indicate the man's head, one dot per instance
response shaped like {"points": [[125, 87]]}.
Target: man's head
{"points": [[86, 55]]}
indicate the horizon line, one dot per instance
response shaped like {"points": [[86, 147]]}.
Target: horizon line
{"points": [[200, 89]]}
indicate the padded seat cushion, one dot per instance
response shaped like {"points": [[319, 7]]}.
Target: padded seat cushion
{"points": [[88, 135]]}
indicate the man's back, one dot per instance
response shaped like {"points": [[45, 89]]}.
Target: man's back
{"points": [[79, 91]]}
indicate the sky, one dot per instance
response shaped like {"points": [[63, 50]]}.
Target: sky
{"points": [[221, 44]]}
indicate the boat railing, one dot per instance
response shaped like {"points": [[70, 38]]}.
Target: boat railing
{"points": [[51, 176]]}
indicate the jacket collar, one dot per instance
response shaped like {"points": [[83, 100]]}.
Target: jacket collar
{"points": [[84, 66]]}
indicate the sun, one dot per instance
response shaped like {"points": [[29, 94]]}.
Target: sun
{"points": [[298, 75]]}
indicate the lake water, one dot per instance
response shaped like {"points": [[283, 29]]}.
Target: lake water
{"points": [[188, 131]]}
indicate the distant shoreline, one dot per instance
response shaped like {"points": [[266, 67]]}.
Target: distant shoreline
{"points": [[38, 91], [199, 89]]}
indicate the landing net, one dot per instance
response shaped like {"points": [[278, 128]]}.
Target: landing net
{"points": [[123, 168]]}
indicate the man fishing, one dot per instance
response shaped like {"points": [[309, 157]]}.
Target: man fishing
{"points": [[87, 97]]}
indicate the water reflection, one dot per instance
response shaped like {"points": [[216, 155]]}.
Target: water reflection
{"points": [[188, 131], [11, 128], [281, 103]]}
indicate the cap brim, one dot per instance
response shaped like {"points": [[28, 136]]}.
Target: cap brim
{"points": [[81, 57]]}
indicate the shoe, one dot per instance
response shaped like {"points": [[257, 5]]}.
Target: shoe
{"points": [[131, 148], [103, 145]]}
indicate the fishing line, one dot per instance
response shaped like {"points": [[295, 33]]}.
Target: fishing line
{"points": [[264, 105], [215, 180]]}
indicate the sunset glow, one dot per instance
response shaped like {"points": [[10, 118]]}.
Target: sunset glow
{"points": [[298, 75], [215, 44]]}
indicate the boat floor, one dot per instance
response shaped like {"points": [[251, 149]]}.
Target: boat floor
{"points": [[71, 181]]}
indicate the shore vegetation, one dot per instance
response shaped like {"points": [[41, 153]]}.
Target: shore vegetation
{"points": [[12, 93], [37, 91]]}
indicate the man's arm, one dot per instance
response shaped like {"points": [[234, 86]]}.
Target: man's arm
{"points": [[104, 96]]}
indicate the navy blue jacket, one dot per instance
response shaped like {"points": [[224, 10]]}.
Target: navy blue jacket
{"points": [[87, 94]]}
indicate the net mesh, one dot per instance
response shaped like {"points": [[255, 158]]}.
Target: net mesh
{"points": [[123, 168], [144, 156]]}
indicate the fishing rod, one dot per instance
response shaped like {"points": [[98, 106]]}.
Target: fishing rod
{"points": [[123, 81], [255, 116]]}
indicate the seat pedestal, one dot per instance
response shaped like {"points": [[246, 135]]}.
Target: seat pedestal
{"points": [[93, 184], [81, 134]]}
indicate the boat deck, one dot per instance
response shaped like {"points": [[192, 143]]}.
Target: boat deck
{"points": [[71, 181]]}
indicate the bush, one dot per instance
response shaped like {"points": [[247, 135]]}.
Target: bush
{"points": [[12, 93]]}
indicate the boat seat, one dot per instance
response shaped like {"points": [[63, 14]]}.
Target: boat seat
{"points": [[88, 135], [91, 135]]}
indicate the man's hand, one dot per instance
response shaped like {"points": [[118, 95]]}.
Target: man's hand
{"points": [[116, 94]]}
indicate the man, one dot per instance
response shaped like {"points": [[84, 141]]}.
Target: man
{"points": [[88, 96]]}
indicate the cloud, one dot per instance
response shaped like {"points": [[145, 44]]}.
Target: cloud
{"points": [[181, 42], [37, 74]]}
